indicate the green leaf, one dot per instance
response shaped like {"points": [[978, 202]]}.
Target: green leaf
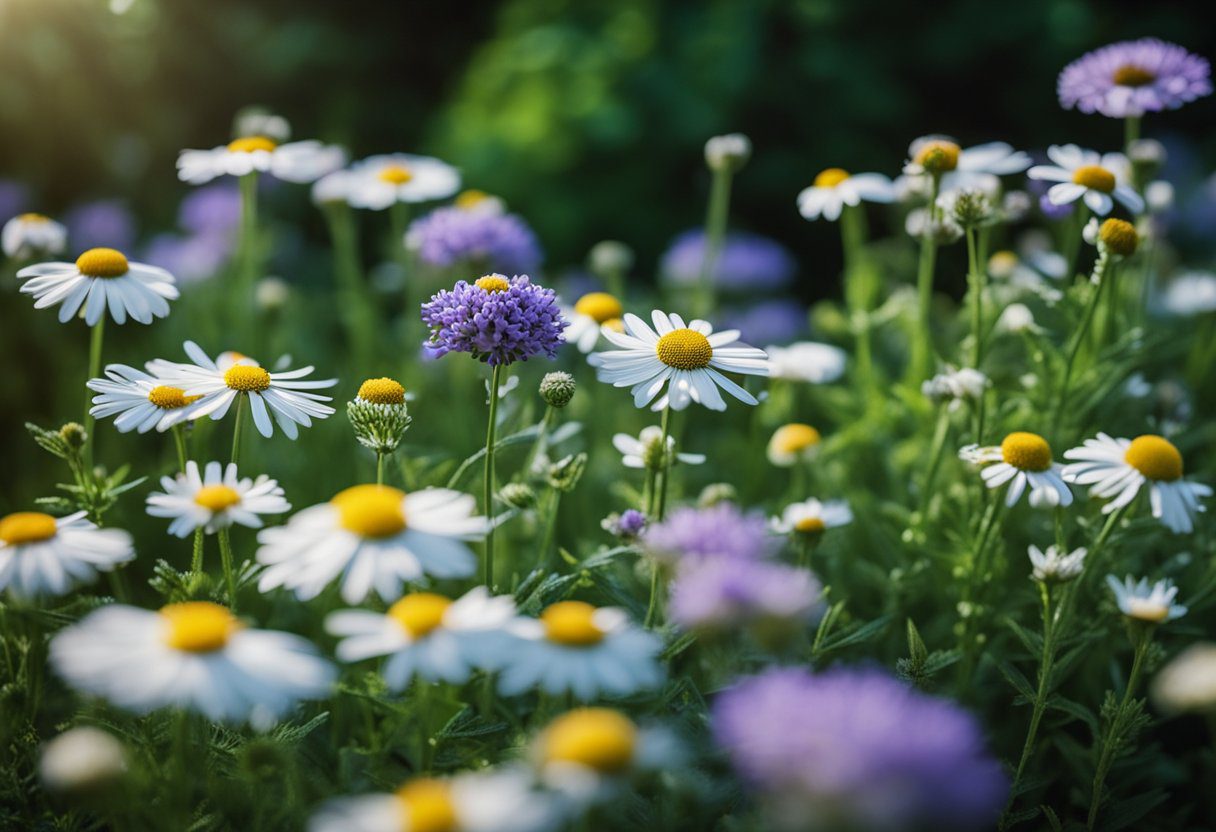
{"points": [[1015, 678], [1126, 812], [1075, 710], [1033, 642], [916, 646], [528, 434], [853, 634]]}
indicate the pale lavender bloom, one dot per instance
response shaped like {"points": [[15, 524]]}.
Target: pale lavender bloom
{"points": [[747, 262], [1134, 77], [721, 529], [1055, 212], [495, 325], [856, 748], [490, 239], [14, 197], [191, 258], [768, 322], [627, 525], [105, 223], [214, 208], [723, 591]]}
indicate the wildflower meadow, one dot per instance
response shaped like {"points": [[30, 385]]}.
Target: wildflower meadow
{"points": [[458, 538]]}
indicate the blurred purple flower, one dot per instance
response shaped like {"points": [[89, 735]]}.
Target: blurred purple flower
{"points": [[1055, 212], [495, 325], [211, 209], [723, 592], [1134, 77], [770, 322], [103, 223], [747, 262], [190, 257], [722, 529], [492, 240], [14, 198], [856, 748]]}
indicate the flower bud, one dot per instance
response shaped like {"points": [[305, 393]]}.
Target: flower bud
{"points": [[728, 153], [379, 414], [271, 293], [628, 525], [517, 495], [1119, 237], [609, 257], [73, 435], [715, 493], [565, 474], [557, 389], [82, 760], [969, 207]]}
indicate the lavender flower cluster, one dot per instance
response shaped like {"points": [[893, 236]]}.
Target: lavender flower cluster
{"points": [[1134, 77], [490, 239], [495, 325], [747, 262]]}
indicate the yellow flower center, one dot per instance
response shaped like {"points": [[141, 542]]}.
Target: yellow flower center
{"points": [[428, 806], [1155, 457], [1094, 177], [938, 156], [1130, 75], [599, 306], [34, 218], [810, 525], [198, 626], [831, 177], [471, 199], [102, 262], [382, 391], [246, 378], [599, 738], [1026, 451], [684, 349], [420, 612], [170, 398], [1002, 262], [795, 437], [1119, 236], [251, 143], [570, 623], [492, 283], [1146, 610], [615, 324], [395, 174], [372, 511], [216, 497], [26, 527]]}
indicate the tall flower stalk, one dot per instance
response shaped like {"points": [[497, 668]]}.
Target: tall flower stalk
{"points": [[248, 254], [488, 477], [724, 155], [96, 336]]}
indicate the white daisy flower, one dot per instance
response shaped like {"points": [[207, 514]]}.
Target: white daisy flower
{"points": [[955, 386], [215, 500], [1192, 293], [299, 162], [688, 359], [27, 235], [576, 647], [835, 188], [332, 188], [806, 361], [1031, 269], [1151, 603], [44, 555], [496, 800], [812, 517], [137, 400], [82, 759], [1016, 318], [372, 538], [1188, 682], [959, 168], [588, 314], [101, 278], [1054, 566], [635, 450], [1098, 180], [381, 181], [793, 443], [193, 655], [429, 636], [1119, 468], [1021, 460], [273, 397]]}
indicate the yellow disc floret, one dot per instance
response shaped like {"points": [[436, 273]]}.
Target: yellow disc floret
{"points": [[382, 391], [419, 612], [794, 438], [684, 349], [372, 511], [810, 525], [428, 806], [492, 283], [395, 174], [170, 398], [34, 218], [598, 738], [1002, 263], [1094, 177], [102, 262], [599, 307], [216, 498], [249, 144], [27, 527], [571, 623], [615, 324], [831, 177], [1119, 236], [938, 156], [471, 199], [1130, 75], [1026, 451], [1147, 610], [198, 626], [1155, 457], [246, 378]]}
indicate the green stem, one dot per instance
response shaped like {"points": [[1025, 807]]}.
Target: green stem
{"points": [[358, 315], [1046, 660], [380, 457], [940, 432], [922, 346], [227, 565], [975, 277], [196, 560], [653, 606], [668, 457], [247, 246], [236, 428], [1078, 339], [857, 287], [95, 340], [488, 490], [1111, 743], [715, 232], [179, 439]]}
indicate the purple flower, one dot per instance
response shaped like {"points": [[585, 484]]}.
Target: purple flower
{"points": [[721, 592], [496, 320], [627, 525], [722, 529], [1134, 77], [211, 209], [14, 197], [105, 223], [768, 322], [1055, 212], [192, 257], [747, 262], [490, 239], [857, 748]]}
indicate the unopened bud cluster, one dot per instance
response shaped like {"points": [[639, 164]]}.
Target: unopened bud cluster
{"points": [[379, 415]]}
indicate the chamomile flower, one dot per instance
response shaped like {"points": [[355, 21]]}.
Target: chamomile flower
{"points": [[381, 181], [215, 499], [138, 401], [1055, 565], [299, 162], [273, 397], [1192, 293], [806, 361], [958, 168], [1021, 460], [793, 443], [27, 235], [1096, 179], [194, 655], [576, 647], [1117, 469], [812, 517], [428, 636], [1142, 601], [835, 188], [589, 313], [44, 555], [497, 800], [688, 359], [955, 386], [372, 538], [101, 278], [645, 449]]}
